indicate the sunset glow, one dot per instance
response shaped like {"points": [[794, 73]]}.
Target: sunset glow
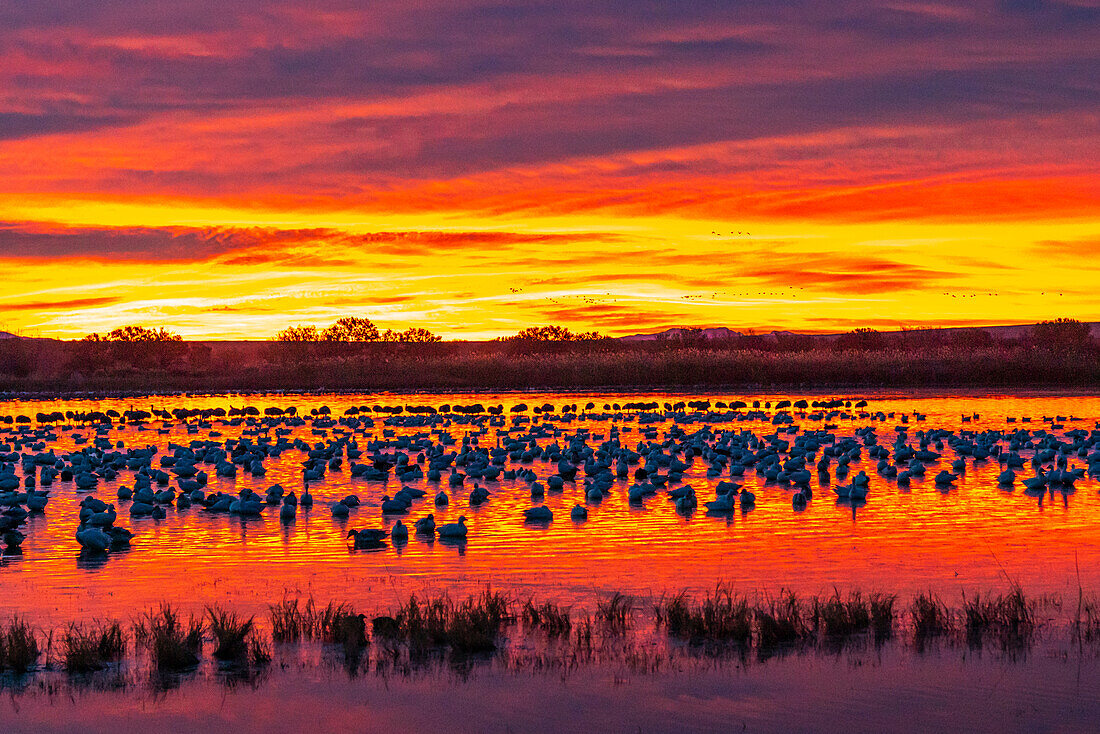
{"points": [[475, 169]]}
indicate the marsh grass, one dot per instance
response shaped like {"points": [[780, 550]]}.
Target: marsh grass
{"points": [[173, 643], [898, 360], [349, 631], [470, 626], [293, 620], [881, 606], [780, 621], [87, 647], [18, 646], [437, 627], [553, 620], [1007, 618], [836, 615], [289, 619], [1087, 622], [721, 616], [930, 616], [616, 612], [235, 637], [330, 622], [583, 634]]}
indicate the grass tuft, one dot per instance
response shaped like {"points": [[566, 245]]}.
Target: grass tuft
{"points": [[881, 607], [721, 616], [470, 626], [930, 615], [838, 616], [289, 619], [293, 620], [780, 620], [551, 619], [87, 647], [232, 634], [18, 646], [173, 644], [615, 613], [1008, 618]]}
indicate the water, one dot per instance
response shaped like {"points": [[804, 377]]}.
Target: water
{"points": [[976, 536], [972, 537], [852, 690]]}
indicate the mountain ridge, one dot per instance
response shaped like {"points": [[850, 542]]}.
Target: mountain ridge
{"points": [[1010, 331]]}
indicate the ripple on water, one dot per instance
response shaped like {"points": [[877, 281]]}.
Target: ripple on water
{"points": [[903, 540]]}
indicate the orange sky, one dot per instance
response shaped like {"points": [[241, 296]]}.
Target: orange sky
{"points": [[474, 169]]}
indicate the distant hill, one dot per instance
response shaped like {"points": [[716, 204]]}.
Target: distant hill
{"points": [[723, 333], [9, 335]]}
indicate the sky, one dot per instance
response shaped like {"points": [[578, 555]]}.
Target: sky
{"points": [[472, 167]]}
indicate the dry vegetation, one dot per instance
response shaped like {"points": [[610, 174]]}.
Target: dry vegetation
{"points": [[173, 643], [432, 626], [863, 358], [18, 646], [90, 646], [236, 639]]}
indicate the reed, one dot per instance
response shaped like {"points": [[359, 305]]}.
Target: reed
{"points": [[1087, 622], [780, 620], [173, 643], [87, 647], [469, 626], [1008, 618], [721, 616], [616, 612], [18, 646], [552, 619], [930, 616], [233, 634]]}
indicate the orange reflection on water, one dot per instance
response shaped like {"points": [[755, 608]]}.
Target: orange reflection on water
{"points": [[972, 537]]}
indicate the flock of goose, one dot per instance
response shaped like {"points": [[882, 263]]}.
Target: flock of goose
{"points": [[646, 446]]}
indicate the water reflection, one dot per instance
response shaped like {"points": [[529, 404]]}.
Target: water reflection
{"points": [[901, 538], [621, 686]]}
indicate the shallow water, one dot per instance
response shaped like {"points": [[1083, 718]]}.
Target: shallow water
{"points": [[973, 537], [865, 689]]}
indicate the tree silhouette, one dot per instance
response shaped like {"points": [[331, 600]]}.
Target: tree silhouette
{"points": [[411, 336], [552, 334], [351, 329], [862, 338], [298, 334], [135, 333], [1060, 334]]}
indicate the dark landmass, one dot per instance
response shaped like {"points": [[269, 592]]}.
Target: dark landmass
{"points": [[998, 357]]}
